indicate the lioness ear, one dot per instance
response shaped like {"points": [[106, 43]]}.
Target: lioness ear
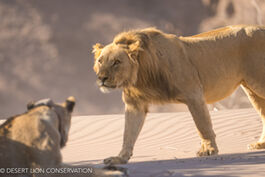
{"points": [[43, 102], [69, 104], [97, 48], [30, 105]]}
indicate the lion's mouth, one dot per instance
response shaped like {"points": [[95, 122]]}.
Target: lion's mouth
{"points": [[105, 84], [106, 89], [109, 86]]}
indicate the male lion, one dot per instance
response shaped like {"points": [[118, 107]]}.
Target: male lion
{"points": [[153, 67], [33, 140]]}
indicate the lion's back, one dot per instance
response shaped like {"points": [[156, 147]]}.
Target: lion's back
{"points": [[232, 31]]}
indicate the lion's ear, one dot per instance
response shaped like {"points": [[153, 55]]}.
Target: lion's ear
{"points": [[97, 48], [133, 46], [134, 49]]}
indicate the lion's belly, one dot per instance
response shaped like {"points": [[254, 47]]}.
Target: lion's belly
{"points": [[215, 94], [218, 87]]}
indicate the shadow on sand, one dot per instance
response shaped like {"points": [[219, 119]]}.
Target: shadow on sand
{"points": [[228, 165]]}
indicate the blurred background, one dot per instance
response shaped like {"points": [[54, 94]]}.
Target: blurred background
{"points": [[45, 45]]}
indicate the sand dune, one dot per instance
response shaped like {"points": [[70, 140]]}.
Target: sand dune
{"points": [[168, 143]]}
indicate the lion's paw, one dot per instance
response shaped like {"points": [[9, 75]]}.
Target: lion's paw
{"points": [[207, 152], [257, 145], [115, 160], [207, 149]]}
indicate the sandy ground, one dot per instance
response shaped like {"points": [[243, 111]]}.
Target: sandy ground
{"points": [[168, 142]]}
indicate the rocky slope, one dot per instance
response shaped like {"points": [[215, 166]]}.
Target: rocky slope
{"points": [[45, 46]]}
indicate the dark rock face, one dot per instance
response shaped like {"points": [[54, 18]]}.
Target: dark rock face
{"points": [[45, 46]]}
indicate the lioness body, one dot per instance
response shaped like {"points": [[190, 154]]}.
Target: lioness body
{"points": [[34, 139], [155, 67], [32, 142]]}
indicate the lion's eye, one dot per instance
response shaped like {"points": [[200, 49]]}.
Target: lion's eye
{"points": [[116, 62]]}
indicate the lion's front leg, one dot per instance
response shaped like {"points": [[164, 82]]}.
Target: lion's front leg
{"points": [[201, 117], [134, 120]]}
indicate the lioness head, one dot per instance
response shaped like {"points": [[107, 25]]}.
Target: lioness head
{"points": [[63, 112], [116, 64]]}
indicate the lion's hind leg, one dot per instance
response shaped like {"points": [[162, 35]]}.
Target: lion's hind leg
{"points": [[259, 104]]}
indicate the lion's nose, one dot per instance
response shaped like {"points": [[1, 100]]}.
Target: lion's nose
{"points": [[103, 79]]}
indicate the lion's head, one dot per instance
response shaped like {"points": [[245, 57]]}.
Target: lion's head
{"points": [[116, 64], [63, 111]]}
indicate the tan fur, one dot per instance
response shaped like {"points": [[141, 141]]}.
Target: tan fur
{"points": [[157, 68], [97, 49], [34, 139]]}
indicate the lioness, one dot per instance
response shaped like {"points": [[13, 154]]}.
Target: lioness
{"points": [[33, 140], [152, 67]]}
